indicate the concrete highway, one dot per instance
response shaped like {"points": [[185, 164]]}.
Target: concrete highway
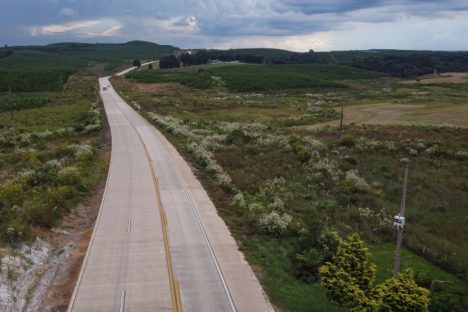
{"points": [[158, 243]]}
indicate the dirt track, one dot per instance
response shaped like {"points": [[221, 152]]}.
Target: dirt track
{"points": [[442, 78]]}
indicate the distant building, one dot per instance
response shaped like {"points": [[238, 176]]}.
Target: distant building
{"points": [[178, 53]]}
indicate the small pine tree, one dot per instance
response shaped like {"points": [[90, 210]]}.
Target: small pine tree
{"points": [[348, 279], [137, 63], [403, 294]]}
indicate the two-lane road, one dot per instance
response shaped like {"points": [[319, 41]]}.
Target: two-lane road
{"points": [[158, 239]]}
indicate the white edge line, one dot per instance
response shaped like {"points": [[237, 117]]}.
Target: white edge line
{"points": [[205, 235], [77, 285], [194, 208], [197, 217], [122, 300]]}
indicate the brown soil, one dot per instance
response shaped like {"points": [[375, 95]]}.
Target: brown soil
{"points": [[154, 87], [442, 78], [55, 288], [403, 114]]}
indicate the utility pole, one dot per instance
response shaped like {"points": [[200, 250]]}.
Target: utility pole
{"points": [[399, 220], [341, 118]]}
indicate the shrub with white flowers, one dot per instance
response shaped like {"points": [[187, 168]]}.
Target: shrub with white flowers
{"points": [[206, 158], [54, 164], [461, 155], [325, 166], [276, 204], [239, 201], [313, 143], [377, 220], [274, 223], [433, 150], [171, 124], [81, 151], [357, 182]]}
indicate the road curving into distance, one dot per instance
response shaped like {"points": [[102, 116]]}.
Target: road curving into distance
{"points": [[158, 243]]}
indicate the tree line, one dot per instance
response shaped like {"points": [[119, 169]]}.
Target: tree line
{"points": [[416, 64], [397, 65], [204, 56]]}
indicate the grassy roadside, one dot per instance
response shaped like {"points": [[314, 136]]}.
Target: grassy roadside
{"points": [[56, 160]]}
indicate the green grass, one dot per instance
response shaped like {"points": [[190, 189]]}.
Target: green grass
{"points": [[189, 78], [384, 256], [284, 289], [50, 117], [34, 190]]}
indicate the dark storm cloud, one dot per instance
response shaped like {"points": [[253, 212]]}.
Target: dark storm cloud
{"points": [[184, 22], [341, 7], [323, 6]]}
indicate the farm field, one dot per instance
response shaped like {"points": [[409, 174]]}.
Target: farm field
{"points": [[288, 188], [453, 115]]}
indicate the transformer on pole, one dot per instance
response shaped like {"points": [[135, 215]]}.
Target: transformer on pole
{"points": [[399, 220]]}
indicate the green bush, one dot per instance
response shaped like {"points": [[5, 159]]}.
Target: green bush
{"points": [[308, 263], [347, 140], [69, 176], [11, 193]]}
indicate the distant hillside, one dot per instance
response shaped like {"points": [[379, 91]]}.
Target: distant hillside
{"points": [[264, 52], [47, 68], [79, 56], [73, 55]]}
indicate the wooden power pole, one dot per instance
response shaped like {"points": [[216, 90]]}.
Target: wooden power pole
{"points": [[341, 118], [399, 221]]}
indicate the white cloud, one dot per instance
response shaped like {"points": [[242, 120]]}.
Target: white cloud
{"points": [[177, 25], [88, 28], [75, 26], [111, 32]]}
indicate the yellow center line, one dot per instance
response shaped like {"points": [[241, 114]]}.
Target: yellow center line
{"points": [[174, 285]]}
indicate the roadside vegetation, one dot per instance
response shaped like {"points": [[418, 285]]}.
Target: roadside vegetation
{"points": [[290, 190], [48, 159]]}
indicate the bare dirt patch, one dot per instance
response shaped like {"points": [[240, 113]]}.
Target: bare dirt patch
{"points": [[154, 87], [454, 115], [441, 78]]}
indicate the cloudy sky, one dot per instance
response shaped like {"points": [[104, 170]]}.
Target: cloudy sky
{"points": [[297, 25]]}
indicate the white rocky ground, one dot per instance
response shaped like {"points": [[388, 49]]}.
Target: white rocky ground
{"points": [[19, 271]]}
